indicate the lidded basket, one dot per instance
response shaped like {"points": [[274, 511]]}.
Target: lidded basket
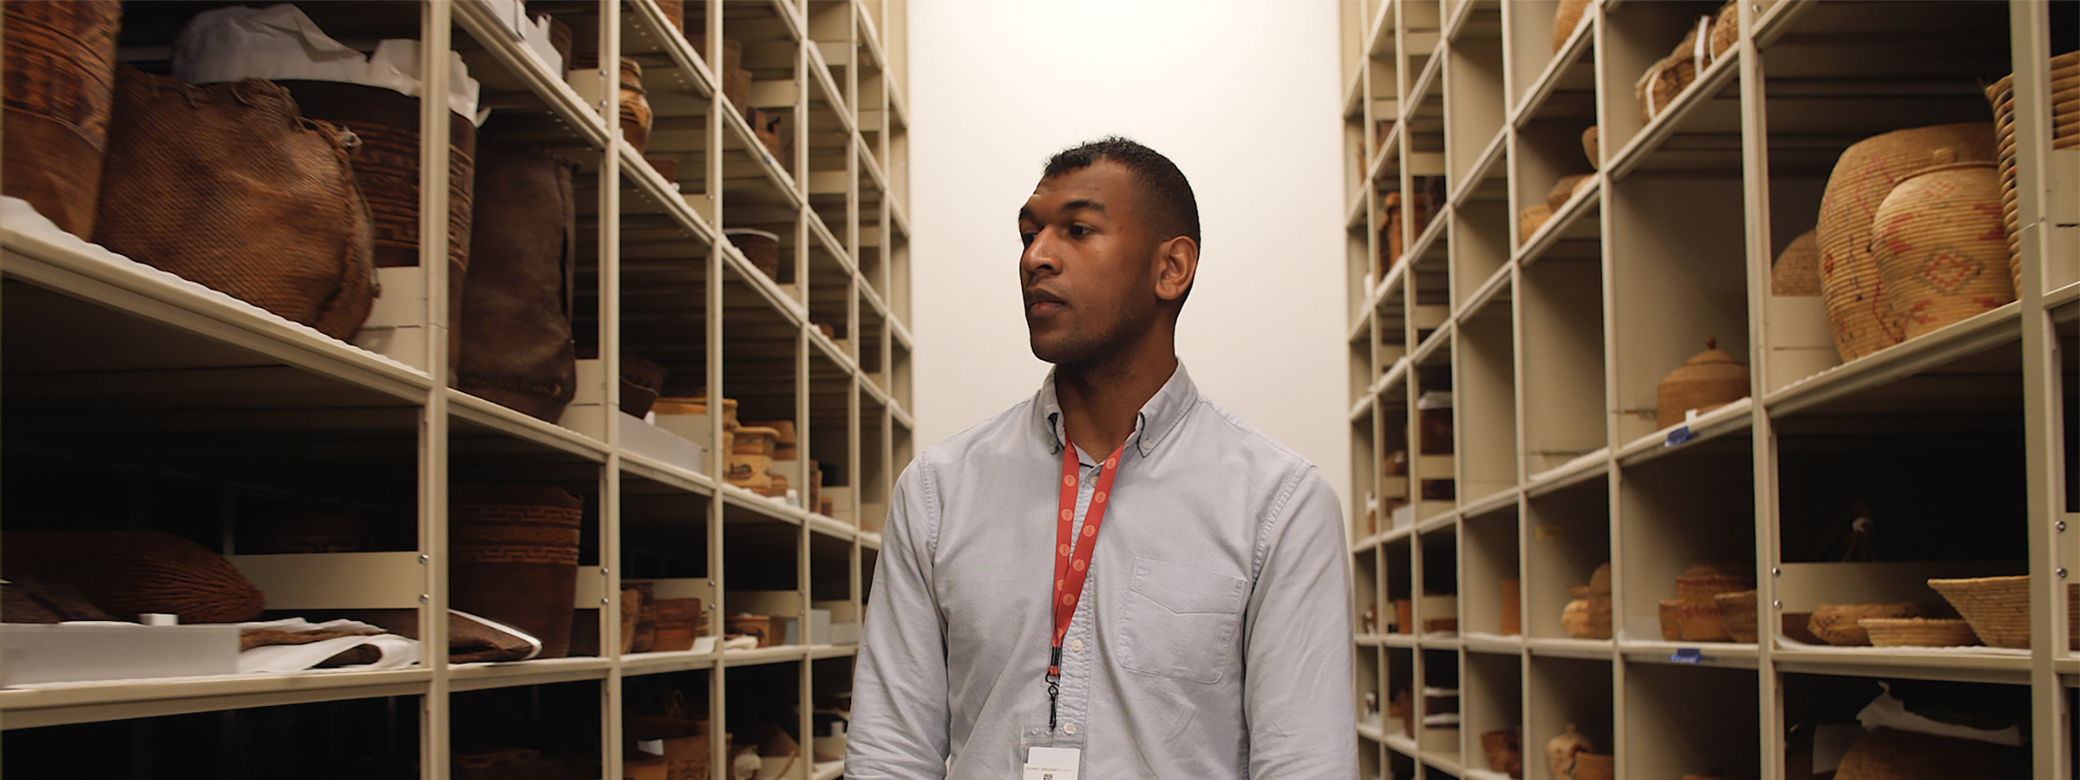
{"points": [[1939, 244], [1705, 382]]}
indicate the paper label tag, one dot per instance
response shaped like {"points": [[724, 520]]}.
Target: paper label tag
{"points": [[1046, 763]]}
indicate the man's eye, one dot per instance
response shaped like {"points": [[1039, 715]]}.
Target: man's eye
{"points": [[1079, 231], [1026, 237]]}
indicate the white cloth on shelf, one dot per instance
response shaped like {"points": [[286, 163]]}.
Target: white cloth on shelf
{"points": [[279, 42]]}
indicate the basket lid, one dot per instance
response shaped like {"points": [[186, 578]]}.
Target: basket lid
{"points": [[1711, 364]]}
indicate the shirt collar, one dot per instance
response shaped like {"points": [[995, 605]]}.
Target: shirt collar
{"points": [[1157, 418]]}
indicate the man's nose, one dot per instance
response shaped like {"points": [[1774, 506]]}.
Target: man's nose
{"points": [[1040, 256]]}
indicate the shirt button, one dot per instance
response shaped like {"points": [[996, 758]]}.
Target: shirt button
{"points": [[1069, 728], [1076, 645]]}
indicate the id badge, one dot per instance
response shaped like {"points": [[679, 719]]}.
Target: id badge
{"points": [[1049, 754]]}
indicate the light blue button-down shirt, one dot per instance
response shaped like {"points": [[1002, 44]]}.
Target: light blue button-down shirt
{"points": [[1213, 639]]}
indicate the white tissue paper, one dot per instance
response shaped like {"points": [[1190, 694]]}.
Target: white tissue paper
{"points": [[280, 42], [1892, 713], [396, 651]]}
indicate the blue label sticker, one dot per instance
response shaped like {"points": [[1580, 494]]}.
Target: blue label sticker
{"points": [[1679, 435], [1687, 655]]}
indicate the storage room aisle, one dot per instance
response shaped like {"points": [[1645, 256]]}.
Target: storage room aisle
{"points": [[604, 394], [1712, 396]]}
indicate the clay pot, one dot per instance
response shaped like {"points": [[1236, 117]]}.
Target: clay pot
{"points": [[1564, 751], [1708, 381]]}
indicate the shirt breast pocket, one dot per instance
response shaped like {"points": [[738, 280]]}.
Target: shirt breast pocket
{"points": [[1180, 622]]}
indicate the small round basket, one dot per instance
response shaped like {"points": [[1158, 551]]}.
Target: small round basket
{"points": [[1996, 607], [1918, 632]]}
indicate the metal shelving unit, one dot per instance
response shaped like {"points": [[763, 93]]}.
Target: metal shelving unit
{"points": [[116, 370], [1550, 347]]}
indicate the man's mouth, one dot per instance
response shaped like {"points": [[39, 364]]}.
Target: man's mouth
{"points": [[1042, 302]]}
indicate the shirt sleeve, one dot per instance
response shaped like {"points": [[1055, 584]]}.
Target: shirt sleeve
{"points": [[1297, 691], [898, 729]]}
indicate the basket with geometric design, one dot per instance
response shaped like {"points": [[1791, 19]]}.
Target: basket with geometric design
{"points": [[1939, 245]]}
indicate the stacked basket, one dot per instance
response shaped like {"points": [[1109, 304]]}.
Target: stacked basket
{"points": [[2065, 134]]}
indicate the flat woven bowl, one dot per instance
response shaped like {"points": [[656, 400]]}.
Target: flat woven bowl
{"points": [[1918, 632], [1836, 624], [1996, 607]]}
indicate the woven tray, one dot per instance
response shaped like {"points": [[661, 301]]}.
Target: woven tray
{"points": [[1918, 632]]}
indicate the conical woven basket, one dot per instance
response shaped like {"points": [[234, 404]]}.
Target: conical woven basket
{"points": [[1939, 246], [1856, 307], [1918, 632], [1996, 607], [1569, 16]]}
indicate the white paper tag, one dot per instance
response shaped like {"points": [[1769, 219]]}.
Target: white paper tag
{"points": [[1052, 763]]}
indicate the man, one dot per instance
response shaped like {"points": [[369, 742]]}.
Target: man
{"points": [[1114, 579]]}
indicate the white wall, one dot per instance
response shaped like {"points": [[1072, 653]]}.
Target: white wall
{"points": [[1241, 94]]}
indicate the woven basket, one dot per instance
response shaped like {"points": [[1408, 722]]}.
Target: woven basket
{"points": [[1571, 14], [1918, 632], [126, 573], [1726, 29], [1592, 146], [1996, 607], [2002, 95], [1667, 78], [1530, 220], [1797, 270], [760, 247], [1837, 624], [1595, 766], [1939, 245], [1890, 754], [1564, 190], [636, 115], [1799, 626], [513, 558], [1505, 751], [1737, 608], [60, 58], [677, 620], [227, 185], [1670, 611], [1707, 381], [1867, 171], [1697, 591]]}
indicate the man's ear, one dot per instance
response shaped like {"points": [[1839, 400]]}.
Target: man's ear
{"points": [[1176, 265]]}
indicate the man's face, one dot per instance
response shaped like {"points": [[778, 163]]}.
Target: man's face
{"points": [[1086, 271]]}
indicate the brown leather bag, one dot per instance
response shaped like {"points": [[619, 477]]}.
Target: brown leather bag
{"points": [[61, 58], [514, 323], [229, 186]]}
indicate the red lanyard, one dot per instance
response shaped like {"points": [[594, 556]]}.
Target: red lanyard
{"points": [[1072, 556]]}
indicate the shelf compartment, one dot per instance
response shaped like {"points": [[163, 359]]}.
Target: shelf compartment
{"points": [[678, 694], [1568, 537], [1437, 609], [1912, 472], [663, 288], [1695, 506], [1676, 717], [1397, 565], [1480, 236], [830, 436], [770, 701], [829, 280], [1370, 696], [374, 737], [1545, 83], [1635, 38], [1562, 355], [561, 721], [1397, 700], [526, 99], [835, 182], [1475, 106], [1440, 695], [1394, 318], [1486, 403], [1395, 473], [664, 531], [830, 572], [1563, 692], [1841, 72], [1678, 280], [1433, 464], [1491, 595], [1812, 702], [1492, 699], [876, 474], [1367, 594]]}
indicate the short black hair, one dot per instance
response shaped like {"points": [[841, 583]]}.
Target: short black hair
{"points": [[1165, 192]]}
